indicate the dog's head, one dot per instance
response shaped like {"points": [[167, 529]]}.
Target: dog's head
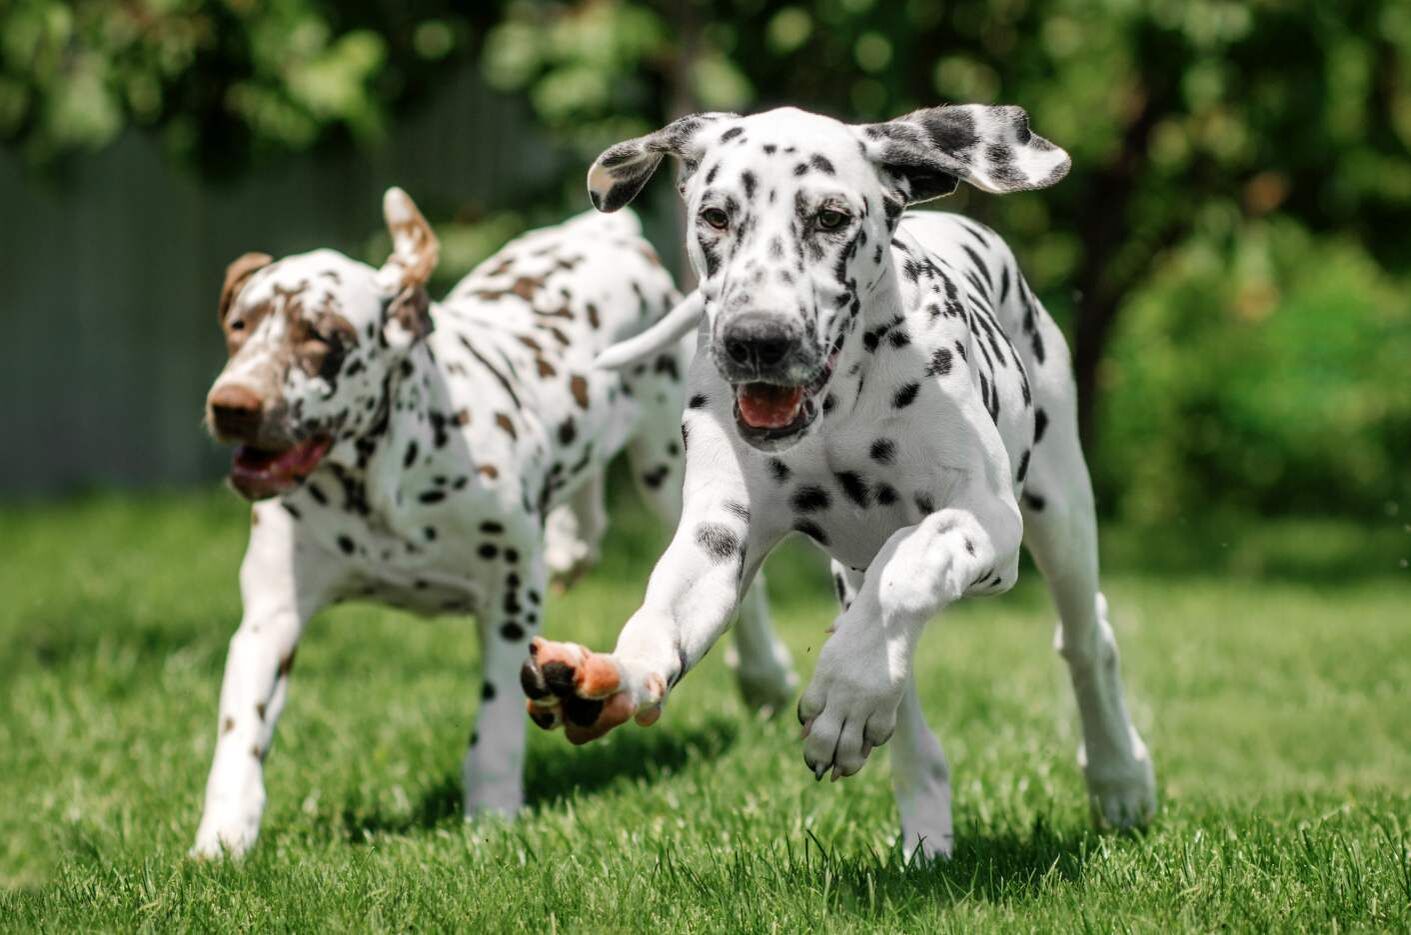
{"points": [[790, 220], [312, 342]]}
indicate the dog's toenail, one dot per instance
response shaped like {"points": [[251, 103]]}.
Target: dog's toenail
{"points": [[532, 681]]}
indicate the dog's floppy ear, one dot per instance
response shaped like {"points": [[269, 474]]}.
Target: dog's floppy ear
{"points": [[992, 148], [620, 172], [236, 274], [415, 251]]}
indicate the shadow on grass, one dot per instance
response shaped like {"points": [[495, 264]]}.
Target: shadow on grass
{"points": [[997, 867], [625, 758]]}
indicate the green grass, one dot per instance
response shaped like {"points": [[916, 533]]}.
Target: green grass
{"points": [[1268, 666]]}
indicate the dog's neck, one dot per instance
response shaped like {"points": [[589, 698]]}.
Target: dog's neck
{"points": [[410, 419], [881, 307]]}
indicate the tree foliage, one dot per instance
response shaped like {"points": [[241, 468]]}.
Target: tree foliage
{"points": [[1210, 138]]}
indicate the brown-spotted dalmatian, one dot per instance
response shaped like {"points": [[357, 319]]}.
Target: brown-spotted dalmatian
{"points": [[412, 453], [887, 385]]}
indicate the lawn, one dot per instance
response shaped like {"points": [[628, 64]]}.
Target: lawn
{"points": [[1269, 667]]}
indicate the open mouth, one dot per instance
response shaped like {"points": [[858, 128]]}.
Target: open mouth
{"points": [[770, 414], [257, 474]]}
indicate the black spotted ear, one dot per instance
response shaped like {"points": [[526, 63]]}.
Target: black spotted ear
{"points": [[992, 148], [620, 172]]}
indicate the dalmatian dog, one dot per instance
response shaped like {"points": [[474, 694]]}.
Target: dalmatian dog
{"points": [[885, 384], [445, 458]]}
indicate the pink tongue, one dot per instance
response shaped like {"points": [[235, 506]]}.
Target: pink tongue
{"points": [[763, 406], [296, 462]]}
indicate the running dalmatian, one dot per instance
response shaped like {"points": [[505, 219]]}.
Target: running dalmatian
{"points": [[886, 384], [409, 452]]}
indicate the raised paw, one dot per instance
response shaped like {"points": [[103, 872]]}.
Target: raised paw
{"points": [[587, 693], [849, 708]]}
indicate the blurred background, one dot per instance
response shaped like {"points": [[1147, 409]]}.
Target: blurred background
{"points": [[1231, 255]]}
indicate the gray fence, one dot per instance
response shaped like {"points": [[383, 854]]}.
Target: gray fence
{"points": [[109, 336]]}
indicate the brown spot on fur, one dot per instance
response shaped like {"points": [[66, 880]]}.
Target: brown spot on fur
{"points": [[254, 517], [546, 369], [260, 710], [462, 417], [578, 386], [488, 471], [227, 725], [503, 420], [593, 318], [287, 663]]}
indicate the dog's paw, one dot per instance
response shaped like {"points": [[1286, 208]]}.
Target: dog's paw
{"points": [[233, 839], [587, 693], [567, 555], [1122, 795], [849, 708], [767, 686]]}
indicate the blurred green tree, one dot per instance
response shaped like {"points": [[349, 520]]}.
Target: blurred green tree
{"points": [[1185, 118], [227, 83], [1236, 213]]}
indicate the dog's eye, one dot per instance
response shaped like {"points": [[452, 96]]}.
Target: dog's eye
{"points": [[716, 218], [830, 220], [237, 325]]}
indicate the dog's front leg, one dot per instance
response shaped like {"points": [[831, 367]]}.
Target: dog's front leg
{"points": [[691, 597], [971, 546], [281, 586]]}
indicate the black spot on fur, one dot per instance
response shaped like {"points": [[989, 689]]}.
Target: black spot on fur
{"points": [[697, 401], [905, 395], [1023, 468], [854, 487], [941, 362], [812, 530], [512, 632], [1033, 501], [1040, 423], [718, 541], [346, 545], [925, 504], [884, 451], [779, 469], [887, 494], [810, 499]]}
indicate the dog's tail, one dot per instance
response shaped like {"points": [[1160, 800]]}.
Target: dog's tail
{"points": [[673, 326]]}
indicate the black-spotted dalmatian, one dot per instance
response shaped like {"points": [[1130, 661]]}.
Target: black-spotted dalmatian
{"points": [[409, 452], [886, 384]]}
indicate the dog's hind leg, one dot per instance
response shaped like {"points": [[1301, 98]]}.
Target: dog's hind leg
{"points": [[1060, 530], [573, 533], [493, 768], [920, 773]]}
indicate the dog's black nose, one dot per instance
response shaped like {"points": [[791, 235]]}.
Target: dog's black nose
{"points": [[758, 339]]}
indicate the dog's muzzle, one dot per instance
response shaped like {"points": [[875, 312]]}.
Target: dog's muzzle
{"points": [[776, 376], [262, 466]]}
